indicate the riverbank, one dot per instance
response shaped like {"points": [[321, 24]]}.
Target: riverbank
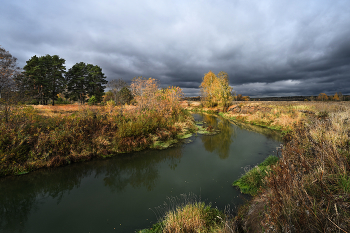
{"points": [[308, 190], [52, 136]]}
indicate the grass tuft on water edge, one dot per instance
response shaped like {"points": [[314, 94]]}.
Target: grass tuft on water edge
{"points": [[192, 217], [253, 180]]}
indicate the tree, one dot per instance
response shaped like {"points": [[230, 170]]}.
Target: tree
{"points": [[96, 80], [76, 80], [45, 75], [240, 97], [322, 97], [216, 89], [144, 91], [125, 96], [336, 97], [224, 91], [8, 70], [208, 87], [116, 86], [85, 80]]}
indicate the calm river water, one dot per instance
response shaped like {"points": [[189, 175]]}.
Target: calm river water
{"points": [[122, 194]]}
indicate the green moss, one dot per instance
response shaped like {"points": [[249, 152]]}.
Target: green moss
{"points": [[253, 180], [164, 145], [205, 131], [184, 136]]}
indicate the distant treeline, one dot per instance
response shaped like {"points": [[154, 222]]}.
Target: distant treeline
{"points": [[283, 98]]}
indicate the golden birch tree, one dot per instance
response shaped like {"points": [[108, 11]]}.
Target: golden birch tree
{"points": [[223, 89], [216, 89], [208, 89]]}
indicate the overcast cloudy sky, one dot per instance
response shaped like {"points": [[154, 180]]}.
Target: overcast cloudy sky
{"points": [[267, 47]]}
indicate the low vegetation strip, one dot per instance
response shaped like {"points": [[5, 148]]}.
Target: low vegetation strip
{"points": [[253, 180]]}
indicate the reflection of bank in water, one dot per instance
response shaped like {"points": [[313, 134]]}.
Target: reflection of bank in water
{"points": [[21, 196], [222, 141], [269, 133]]}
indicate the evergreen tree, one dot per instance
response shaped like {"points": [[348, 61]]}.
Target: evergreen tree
{"points": [[96, 81], [44, 75], [85, 80], [76, 79]]}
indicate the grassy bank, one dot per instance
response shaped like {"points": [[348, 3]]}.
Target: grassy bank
{"points": [[308, 189], [54, 136], [253, 180]]}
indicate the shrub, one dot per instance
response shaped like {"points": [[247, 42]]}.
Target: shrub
{"points": [[92, 100]]}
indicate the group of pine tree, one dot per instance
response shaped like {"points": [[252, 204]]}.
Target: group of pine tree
{"points": [[45, 77]]}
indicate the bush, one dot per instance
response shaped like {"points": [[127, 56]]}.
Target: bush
{"points": [[62, 101], [92, 100]]}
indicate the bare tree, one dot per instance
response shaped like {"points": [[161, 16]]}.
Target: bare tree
{"points": [[8, 70], [116, 85]]}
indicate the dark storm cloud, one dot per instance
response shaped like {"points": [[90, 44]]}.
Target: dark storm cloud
{"points": [[268, 48]]}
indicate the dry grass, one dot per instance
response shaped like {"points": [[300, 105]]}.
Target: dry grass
{"points": [[279, 115], [52, 136], [68, 109], [189, 218], [309, 189]]}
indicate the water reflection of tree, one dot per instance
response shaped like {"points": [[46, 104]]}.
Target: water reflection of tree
{"points": [[139, 170], [21, 195], [222, 141], [269, 133]]}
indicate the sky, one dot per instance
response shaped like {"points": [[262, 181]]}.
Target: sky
{"points": [[267, 47]]}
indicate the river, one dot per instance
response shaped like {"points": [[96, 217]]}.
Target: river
{"points": [[131, 191]]}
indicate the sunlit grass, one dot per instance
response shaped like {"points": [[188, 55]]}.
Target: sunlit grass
{"points": [[53, 136]]}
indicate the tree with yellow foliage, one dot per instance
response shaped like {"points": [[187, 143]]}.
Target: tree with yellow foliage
{"points": [[322, 97], [216, 89], [208, 87], [224, 90], [336, 97]]}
